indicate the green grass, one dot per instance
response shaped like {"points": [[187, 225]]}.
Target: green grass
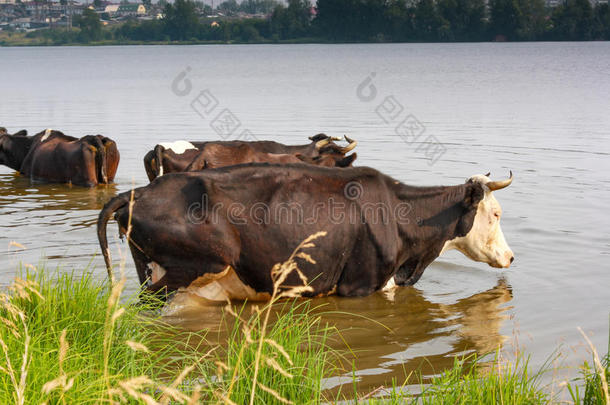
{"points": [[93, 356], [472, 382], [591, 388], [69, 339], [97, 362], [295, 357]]}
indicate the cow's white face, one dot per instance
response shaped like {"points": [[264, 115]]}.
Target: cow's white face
{"points": [[485, 241]]}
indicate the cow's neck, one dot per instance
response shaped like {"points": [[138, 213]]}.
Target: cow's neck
{"points": [[17, 151], [437, 215]]}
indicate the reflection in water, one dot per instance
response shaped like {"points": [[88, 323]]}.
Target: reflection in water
{"points": [[52, 221], [18, 192], [389, 334]]}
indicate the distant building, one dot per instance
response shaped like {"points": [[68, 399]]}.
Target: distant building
{"points": [[131, 9], [8, 1], [555, 3], [111, 9]]}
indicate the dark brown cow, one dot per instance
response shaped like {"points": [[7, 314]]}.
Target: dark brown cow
{"points": [[177, 156], [228, 227], [218, 155], [54, 157]]}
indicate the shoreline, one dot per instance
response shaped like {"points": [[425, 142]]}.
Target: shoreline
{"points": [[23, 41]]}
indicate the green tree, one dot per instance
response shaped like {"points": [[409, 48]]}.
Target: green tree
{"points": [[228, 7], [573, 21], [373, 16], [293, 21], [534, 23], [90, 26], [426, 21], [352, 20], [335, 19], [601, 17], [258, 6], [181, 21], [98, 3], [249, 33], [505, 19], [463, 20], [398, 21]]}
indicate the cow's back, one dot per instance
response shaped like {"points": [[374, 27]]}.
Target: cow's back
{"points": [[57, 157]]}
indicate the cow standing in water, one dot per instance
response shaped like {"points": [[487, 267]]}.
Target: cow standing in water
{"points": [[181, 156], [222, 230], [54, 157], [219, 155]]}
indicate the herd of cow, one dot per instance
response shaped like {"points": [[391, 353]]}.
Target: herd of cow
{"points": [[218, 215]]}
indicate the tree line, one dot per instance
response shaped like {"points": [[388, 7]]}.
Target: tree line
{"points": [[358, 21]]}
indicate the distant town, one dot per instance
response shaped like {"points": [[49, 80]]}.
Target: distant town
{"points": [[41, 22], [28, 16]]}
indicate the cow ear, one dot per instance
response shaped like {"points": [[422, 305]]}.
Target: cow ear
{"points": [[474, 195], [318, 137], [23, 132]]}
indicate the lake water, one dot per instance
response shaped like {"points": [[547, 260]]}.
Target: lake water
{"points": [[540, 109]]}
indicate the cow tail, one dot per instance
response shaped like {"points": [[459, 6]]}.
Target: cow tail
{"points": [[100, 158], [109, 209], [159, 160]]}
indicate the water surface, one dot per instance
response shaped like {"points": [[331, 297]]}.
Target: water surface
{"points": [[540, 109]]}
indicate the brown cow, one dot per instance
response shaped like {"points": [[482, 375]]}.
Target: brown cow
{"points": [[54, 157], [220, 155], [232, 225], [177, 156]]}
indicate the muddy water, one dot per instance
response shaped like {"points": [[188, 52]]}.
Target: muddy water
{"points": [[538, 109]]}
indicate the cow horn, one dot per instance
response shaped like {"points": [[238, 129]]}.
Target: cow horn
{"points": [[322, 143], [351, 146], [488, 174], [335, 138], [498, 185]]}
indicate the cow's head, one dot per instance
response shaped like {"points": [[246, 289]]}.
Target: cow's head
{"points": [[324, 144], [12, 148], [485, 241], [329, 159]]}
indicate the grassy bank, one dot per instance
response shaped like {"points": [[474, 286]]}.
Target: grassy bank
{"points": [[71, 339]]}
